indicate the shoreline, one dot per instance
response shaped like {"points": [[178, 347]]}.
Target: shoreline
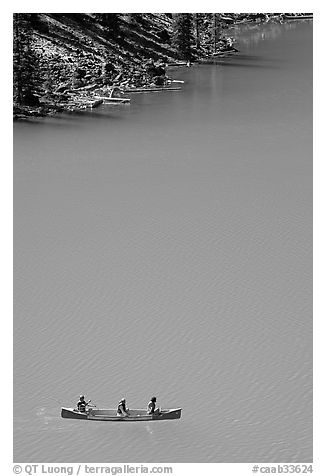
{"points": [[90, 96], [89, 91]]}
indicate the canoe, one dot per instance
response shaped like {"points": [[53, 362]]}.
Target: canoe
{"points": [[111, 415]]}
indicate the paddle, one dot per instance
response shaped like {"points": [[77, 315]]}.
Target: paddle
{"points": [[88, 404]]}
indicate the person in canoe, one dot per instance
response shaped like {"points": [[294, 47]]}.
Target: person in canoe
{"points": [[151, 407], [82, 404], [122, 410]]}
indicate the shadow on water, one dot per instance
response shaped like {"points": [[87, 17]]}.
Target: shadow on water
{"points": [[242, 65], [102, 113], [257, 58]]}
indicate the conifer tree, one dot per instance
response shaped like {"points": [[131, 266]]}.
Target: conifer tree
{"points": [[183, 34], [198, 19], [216, 27], [135, 18], [112, 21], [25, 68]]}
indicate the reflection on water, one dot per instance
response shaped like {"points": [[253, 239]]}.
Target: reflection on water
{"points": [[252, 33]]}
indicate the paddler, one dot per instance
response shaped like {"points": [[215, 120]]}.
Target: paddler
{"points": [[151, 406], [122, 410], [82, 404]]}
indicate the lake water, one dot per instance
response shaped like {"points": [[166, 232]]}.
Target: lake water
{"points": [[165, 248]]}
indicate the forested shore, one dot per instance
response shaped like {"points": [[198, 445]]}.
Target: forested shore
{"points": [[66, 62]]}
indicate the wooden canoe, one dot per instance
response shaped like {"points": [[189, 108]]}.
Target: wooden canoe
{"points": [[111, 415]]}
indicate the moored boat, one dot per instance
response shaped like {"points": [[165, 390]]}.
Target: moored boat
{"points": [[111, 415]]}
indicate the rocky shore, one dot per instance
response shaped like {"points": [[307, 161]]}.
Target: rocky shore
{"points": [[89, 91], [80, 65]]}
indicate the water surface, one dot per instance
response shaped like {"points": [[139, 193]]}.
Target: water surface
{"points": [[165, 248]]}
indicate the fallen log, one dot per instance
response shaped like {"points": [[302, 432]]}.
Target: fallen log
{"points": [[108, 99], [95, 103], [179, 63], [151, 90]]}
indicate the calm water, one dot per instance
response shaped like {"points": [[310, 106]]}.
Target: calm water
{"points": [[165, 248]]}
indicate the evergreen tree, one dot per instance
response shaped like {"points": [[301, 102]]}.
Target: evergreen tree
{"points": [[135, 18], [198, 19], [164, 36], [25, 67], [216, 29], [183, 34], [112, 21], [212, 28]]}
